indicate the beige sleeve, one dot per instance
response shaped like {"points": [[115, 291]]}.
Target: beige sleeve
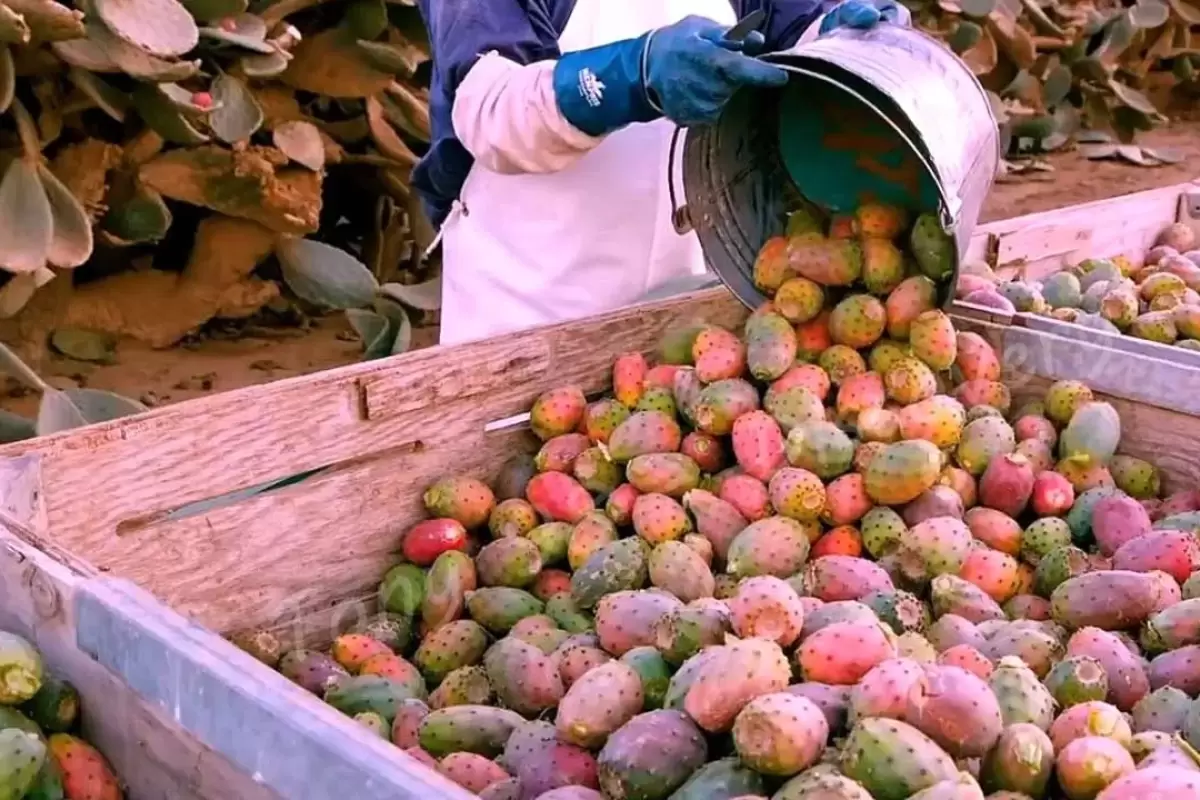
{"points": [[506, 116]]}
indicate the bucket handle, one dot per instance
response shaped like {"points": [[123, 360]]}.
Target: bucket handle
{"points": [[681, 215]]}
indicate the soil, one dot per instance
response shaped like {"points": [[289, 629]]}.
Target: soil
{"points": [[215, 364]]}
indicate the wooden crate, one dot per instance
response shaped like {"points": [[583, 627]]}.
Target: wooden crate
{"points": [[280, 506], [1038, 245]]}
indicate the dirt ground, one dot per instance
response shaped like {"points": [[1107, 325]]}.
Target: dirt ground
{"points": [[217, 365]]}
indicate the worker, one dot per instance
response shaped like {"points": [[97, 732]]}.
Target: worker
{"points": [[552, 120]]}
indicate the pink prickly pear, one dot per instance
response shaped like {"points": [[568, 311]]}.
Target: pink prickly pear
{"points": [[557, 411], [731, 678], [1052, 494], [1174, 552], [559, 454], [984, 393], [716, 520], [780, 734], [706, 450], [766, 607], [1088, 765], [718, 354], [858, 393], [936, 546], [625, 620], [619, 506], [746, 494], [645, 432], [846, 500], [839, 578], [842, 653], [1033, 426], [1117, 520], [957, 710], [883, 690], [471, 771], [658, 518], [559, 497], [629, 378], [806, 376], [773, 546], [661, 376], [85, 772], [1127, 679], [1007, 484], [976, 359], [758, 444], [907, 301]]}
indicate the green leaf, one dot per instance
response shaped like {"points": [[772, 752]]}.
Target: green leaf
{"points": [[144, 217], [71, 244], [15, 428], [162, 28], [324, 275], [244, 30], [301, 142], [236, 114], [401, 325], [399, 60], [375, 330], [162, 116], [1132, 98], [1058, 84], [425, 296], [11, 364], [26, 219], [366, 19], [82, 345], [74, 408]]}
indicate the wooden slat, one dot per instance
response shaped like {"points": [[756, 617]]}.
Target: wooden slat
{"points": [[1036, 245]]}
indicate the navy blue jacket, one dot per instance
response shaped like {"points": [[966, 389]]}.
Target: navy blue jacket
{"points": [[525, 31]]}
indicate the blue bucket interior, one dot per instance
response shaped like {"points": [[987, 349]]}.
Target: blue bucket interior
{"points": [[841, 152]]}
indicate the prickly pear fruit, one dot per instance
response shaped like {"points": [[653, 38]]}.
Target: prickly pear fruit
{"points": [[558, 497], [933, 247], [799, 300], [559, 454], [858, 321], [428, 539], [1086, 766], [514, 561], [1007, 484], [1063, 398], [468, 729], [910, 299], [1022, 697], [625, 620], [797, 493], [682, 633], [680, 570], [780, 734], [902, 471], [883, 690], [1110, 600], [1092, 435], [771, 264], [939, 420], [837, 578], [525, 679], [557, 411], [846, 500], [1176, 553], [982, 440], [1127, 679], [85, 772], [619, 506], [952, 595], [1137, 478], [770, 346], [766, 607], [461, 687], [842, 653], [721, 403], [829, 262], [821, 448], [717, 520], [1022, 760], [603, 417], [734, 676], [773, 546], [934, 340], [461, 498], [936, 546], [758, 444], [651, 755], [644, 432], [718, 354], [471, 771], [612, 568], [871, 756], [598, 703], [955, 709]]}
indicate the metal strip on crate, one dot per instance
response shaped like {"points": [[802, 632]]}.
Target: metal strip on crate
{"points": [[260, 721]]}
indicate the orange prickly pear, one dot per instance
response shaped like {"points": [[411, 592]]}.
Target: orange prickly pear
{"points": [[829, 262], [461, 498], [85, 772], [629, 378], [877, 220], [933, 339], [557, 411], [799, 300], [812, 337], [883, 266], [718, 354], [858, 321], [771, 266], [907, 301]]}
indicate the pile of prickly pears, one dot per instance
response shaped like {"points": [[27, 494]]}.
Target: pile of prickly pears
{"points": [[1157, 301], [40, 757], [825, 559]]}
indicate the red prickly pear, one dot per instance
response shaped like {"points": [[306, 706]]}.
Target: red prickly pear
{"points": [[557, 411], [1007, 484], [619, 506], [758, 444], [717, 520], [748, 496], [559, 454], [976, 359], [1028, 606], [770, 346], [1174, 552], [844, 540], [602, 418], [766, 607], [558, 497], [858, 321], [883, 690], [806, 376], [880, 221], [471, 771], [995, 529], [731, 678], [467, 500], [723, 402], [85, 772], [409, 716], [797, 493], [840, 578], [992, 571], [773, 546], [1111, 600], [661, 376], [973, 394], [957, 710], [846, 500], [1117, 520], [1087, 766], [858, 393], [706, 450], [1034, 426], [907, 301], [812, 337], [658, 518], [702, 546], [550, 583], [780, 734], [718, 354], [428, 539], [629, 378], [643, 433], [968, 658], [1052, 494], [842, 653], [625, 620]]}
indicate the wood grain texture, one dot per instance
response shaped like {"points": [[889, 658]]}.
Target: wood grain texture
{"points": [[1036, 245]]}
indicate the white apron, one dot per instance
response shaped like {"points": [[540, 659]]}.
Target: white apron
{"points": [[525, 250]]}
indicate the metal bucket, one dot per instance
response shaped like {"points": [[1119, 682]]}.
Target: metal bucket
{"points": [[921, 134]]}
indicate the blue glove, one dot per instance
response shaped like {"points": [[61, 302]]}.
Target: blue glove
{"points": [[686, 72], [863, 14]]}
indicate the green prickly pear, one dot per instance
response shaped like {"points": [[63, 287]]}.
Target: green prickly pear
{"points": [[21, 670], [932, 247], [902, 472], [1092, 435], [467, 729], [894, 760], [21, 757], [770, 346]]}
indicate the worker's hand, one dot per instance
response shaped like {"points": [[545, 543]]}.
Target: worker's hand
{"points": [[863, 14], [690, 71]]}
